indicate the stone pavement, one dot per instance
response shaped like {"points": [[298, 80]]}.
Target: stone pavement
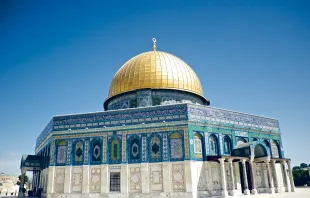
{"points": [[300, 193]]}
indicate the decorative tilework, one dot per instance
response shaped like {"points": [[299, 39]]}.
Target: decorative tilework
{"points": [[115, 150], [52, 153], [69, 151], [86, 152], [124, 151], [186, 143], [155, 147], [61, 152], [176, 146], [221, 144], [165, 146], [143, 148], [96, 151], [104, 145], [206, 142], [78, 152], [134, 149]]}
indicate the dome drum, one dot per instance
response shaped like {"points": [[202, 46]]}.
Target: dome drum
{"points": [[152, 97]]}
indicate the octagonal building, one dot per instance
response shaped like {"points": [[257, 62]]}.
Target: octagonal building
{"points": [[158, 136]]}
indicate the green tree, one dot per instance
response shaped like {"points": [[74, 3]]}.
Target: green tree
{"points": [[303, 165], [20, 179]]}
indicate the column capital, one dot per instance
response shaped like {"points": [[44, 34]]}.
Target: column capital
{"points": [[221, 160], [288, 162], [230, 160], [243, 160]]}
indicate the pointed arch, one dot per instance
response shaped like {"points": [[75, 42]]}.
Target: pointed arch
{"points": [[78, 152], [96, 151], [176, 146], [134, 149], [226, 145], [155, 148], [213, 145], [61, 155]]}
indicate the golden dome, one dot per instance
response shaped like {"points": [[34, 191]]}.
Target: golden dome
{"points": [[155, 70]]}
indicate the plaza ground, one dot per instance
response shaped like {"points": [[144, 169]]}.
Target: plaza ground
{"points": [[300, 193]]}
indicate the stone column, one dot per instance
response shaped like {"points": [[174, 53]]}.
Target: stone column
{"points": [[252, 171], [223, 177], [22, 182], [270, 180], [291, 175], [275, 176], [245, 179], [232, 177], [284, 176]]}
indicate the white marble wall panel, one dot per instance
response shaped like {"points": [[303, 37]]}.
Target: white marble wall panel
{"points": [[77, 179], [135, 178], [216, 176], [95, 179], [279, 175], [177, 175], [156, 177], [59, 180]]}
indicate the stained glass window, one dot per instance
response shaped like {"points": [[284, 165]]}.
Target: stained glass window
{"points": [[61, 152], [154, 147], [213, 145], [96, 151], [176, 146]]}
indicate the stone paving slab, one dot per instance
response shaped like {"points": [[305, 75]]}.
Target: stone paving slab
{"points": [[300, 193]]}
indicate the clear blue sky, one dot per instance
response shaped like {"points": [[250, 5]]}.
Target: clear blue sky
{"points": [[59, 58]]}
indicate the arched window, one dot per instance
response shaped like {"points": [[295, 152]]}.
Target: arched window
{"points": [[176, 146], [213, 150], [61, 152], [115, 151], [227, 145], [96, 151], [155, 148], [275, 149], [78, 152], [241, 141], [134, 150], [197, 143]]}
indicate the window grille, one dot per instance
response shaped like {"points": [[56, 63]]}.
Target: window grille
{"points": [[115, 182]]}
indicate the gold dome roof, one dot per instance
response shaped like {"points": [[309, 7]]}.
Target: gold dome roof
{"points": [[155, 70]]}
